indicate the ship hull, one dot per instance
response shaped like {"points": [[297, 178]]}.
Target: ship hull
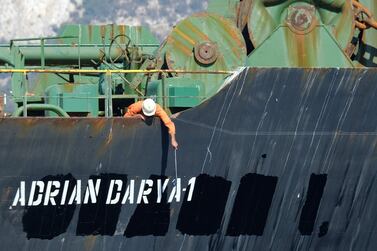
{"points": [[279, 159]]}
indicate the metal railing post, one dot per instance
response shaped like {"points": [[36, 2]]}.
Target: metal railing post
{"points": [[25, 95], [108, 99], [43, 60], [163, 91], [79, 52]]}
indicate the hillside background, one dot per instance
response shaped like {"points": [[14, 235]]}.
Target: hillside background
{"points": [[34, 18]]}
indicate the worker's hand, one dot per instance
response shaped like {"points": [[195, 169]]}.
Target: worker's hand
{"points": [[174, 144], [173, 141]]}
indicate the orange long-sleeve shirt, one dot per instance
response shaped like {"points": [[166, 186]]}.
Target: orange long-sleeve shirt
{"points": [[136, 108]]}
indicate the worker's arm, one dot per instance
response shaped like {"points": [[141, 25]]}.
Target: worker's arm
{"points": [[134, 110], [169, 124]]}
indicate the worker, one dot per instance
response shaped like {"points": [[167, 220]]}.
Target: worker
{"points": [[147, 109]]}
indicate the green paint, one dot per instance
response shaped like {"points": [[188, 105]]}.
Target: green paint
{"points": [[74, 98], [269, 55], [179, 50]]}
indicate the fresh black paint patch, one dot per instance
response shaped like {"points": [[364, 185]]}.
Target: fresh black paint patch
{"points": [[49, 221], [152, 218], [101, 218], [203, 214], [313, 198], [252, 204]]}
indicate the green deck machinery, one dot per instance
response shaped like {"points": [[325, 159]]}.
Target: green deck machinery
{"points": [[77, 49], [98, 70]]}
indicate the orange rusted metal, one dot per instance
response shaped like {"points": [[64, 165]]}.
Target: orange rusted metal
{"points": [[243, 12], [364, 17], [1, 106], [371, 22], [360, 25]]}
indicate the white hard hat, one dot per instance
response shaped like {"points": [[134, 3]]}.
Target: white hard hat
{"points": [[149, 107]]}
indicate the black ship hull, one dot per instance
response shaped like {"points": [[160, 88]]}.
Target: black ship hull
{"points": [[279, 159]]}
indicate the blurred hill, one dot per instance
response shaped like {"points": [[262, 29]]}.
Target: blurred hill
{"points": [[34, 18]]}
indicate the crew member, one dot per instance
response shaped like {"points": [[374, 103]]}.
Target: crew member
{"points": [[148, 108]]}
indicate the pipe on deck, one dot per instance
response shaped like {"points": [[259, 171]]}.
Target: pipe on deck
{"points": [[41, 107]]}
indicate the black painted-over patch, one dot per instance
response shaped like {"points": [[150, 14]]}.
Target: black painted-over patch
{"points": [[313, 198], [47, 222], [99, 218], [252, 204], [203, 214], [152, 218]]}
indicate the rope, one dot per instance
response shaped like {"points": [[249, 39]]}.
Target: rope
{"points": [[183, 241], [71, 71], [176, 166]]}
